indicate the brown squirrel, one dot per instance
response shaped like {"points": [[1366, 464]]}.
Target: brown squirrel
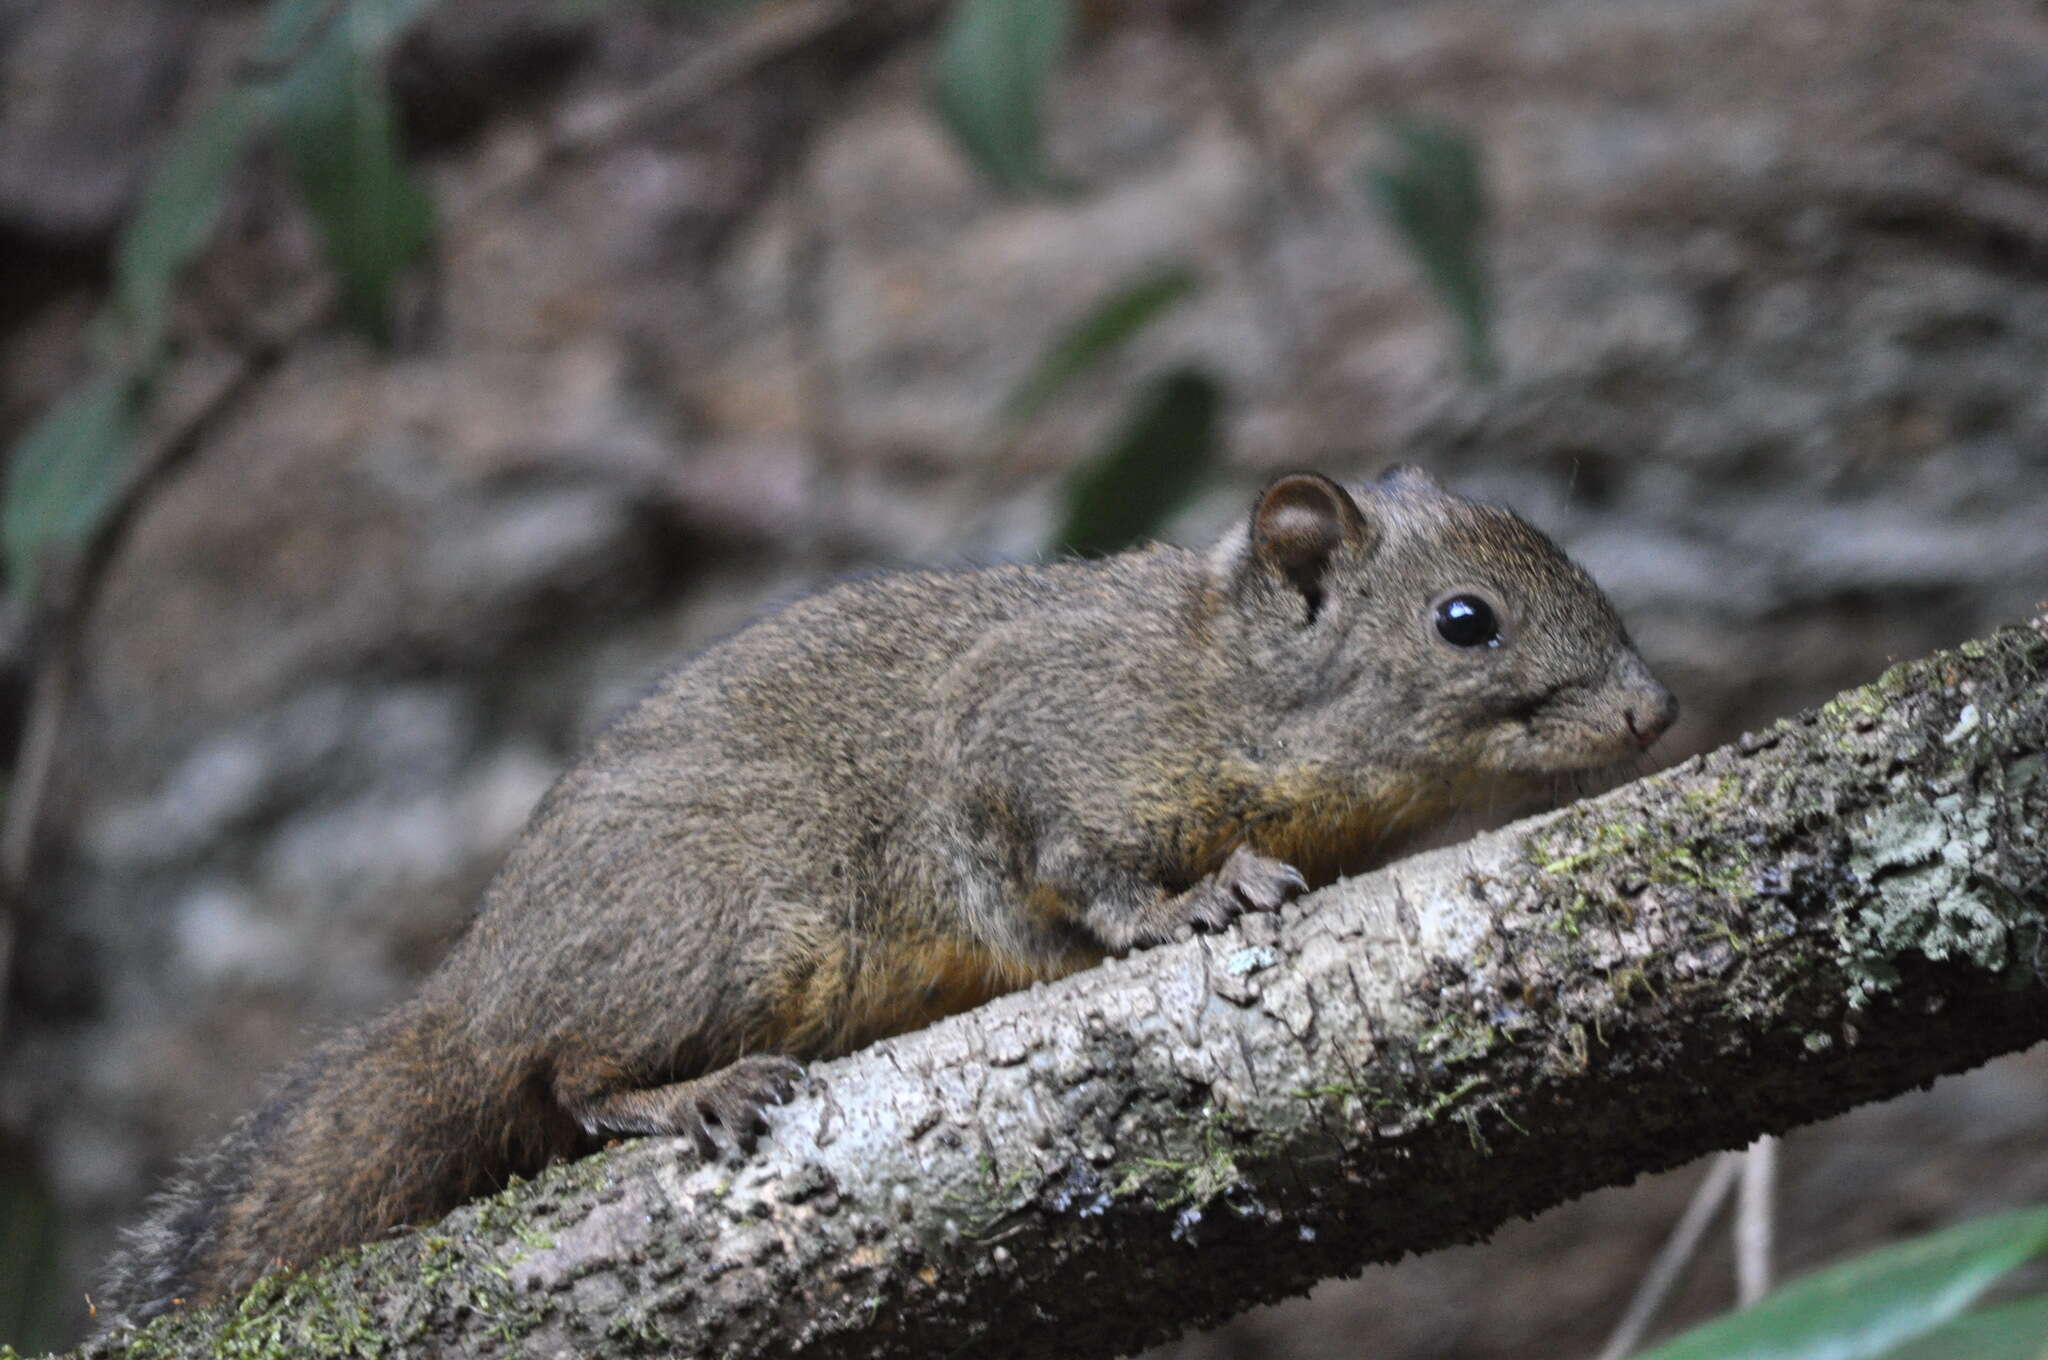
{"points": [[898, 798]]}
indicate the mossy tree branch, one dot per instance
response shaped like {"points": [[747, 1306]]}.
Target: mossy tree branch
{"points": [[1832, 912]]}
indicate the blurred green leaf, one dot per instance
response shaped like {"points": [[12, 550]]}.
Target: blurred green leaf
{"points": [[996, 58], [175, 216], [1158, 458], [2015, 1331], [1108, 326], [319, 68], [340, 132], [62, 474], [176, 211], [29, 1252], [294, 27], [1864, 1308], [1435, 199], [587, 9]]}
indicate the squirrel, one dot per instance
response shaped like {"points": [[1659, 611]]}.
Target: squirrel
{"points": [[893, 800]]}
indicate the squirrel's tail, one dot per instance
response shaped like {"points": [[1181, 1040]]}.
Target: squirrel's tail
{"points": [[393, 1123]]}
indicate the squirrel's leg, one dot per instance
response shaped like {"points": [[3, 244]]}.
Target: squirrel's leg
{"points": [[728, 1102], [1134, 914]]}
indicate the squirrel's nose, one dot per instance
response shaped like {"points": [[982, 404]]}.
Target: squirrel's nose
{"points": [[1651, 718]]}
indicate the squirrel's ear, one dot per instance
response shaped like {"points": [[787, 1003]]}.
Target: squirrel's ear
{"points": [[1299, 524]]}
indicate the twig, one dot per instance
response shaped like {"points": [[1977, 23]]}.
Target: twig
{"points": [[772, 34], [1754, 1210], [817, 379], [778, 31], [1669, 1268], [47, 693], [1283, 184]]}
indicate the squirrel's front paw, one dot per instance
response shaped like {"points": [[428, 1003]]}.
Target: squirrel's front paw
{"points": [[1248, 881]]}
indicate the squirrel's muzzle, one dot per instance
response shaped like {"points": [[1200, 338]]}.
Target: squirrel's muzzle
{"points": [[1647, 708]]}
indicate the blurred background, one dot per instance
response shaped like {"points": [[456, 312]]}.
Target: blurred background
{"points": [[391, 389]]}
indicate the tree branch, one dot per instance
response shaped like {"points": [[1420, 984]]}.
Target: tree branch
{"points": [[1831, 912]]}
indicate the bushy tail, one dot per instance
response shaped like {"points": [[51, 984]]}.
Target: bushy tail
{"points": [[393, 1123]]}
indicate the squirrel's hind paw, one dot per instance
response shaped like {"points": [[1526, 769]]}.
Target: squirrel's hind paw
{"points": [[733, 1101], [1248, 881], [722, 1107]]}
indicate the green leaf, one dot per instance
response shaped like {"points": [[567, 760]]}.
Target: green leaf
{"points": [[995, 59], [62, 474], [175, 216], [1435, 199], [1864, 1308], [340, 132], [2016, 1331], [294, 27], [574, 10], [1122, 496], [308, 42], [1109, 325]]}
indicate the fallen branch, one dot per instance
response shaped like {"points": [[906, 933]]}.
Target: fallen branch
{"points": [[1832, 912]]}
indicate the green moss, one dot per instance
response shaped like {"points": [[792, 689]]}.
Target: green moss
{"points": [[1194, 1182], [641, 1328], [1336, 1090], [1448, 1099], [437, 1260], [1623, 983], [1174, 1183], [289, 1313], [982, 1211], [334, 1310], [1712, 797], [1458, 1038], [1598, 859], [1844, 709], [1728, 935], [1603, 843]]}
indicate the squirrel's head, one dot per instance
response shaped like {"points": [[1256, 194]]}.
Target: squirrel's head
{"points": [[1427, 631]]}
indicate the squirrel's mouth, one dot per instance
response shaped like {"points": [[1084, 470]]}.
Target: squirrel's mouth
{"points": [[1574, 744], [1578, 726]]}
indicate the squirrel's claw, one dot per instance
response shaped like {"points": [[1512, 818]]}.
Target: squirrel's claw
{"points": [[1264, 883], [1248, 881], [730, 1105]]}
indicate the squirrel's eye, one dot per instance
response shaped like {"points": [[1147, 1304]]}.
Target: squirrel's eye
{"points": [[1467, 621]]}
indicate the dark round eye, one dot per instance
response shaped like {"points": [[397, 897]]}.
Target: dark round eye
{"points": [[1467, 621]]}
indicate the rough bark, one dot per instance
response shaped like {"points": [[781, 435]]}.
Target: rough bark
{"points": [[1830, 912]]}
